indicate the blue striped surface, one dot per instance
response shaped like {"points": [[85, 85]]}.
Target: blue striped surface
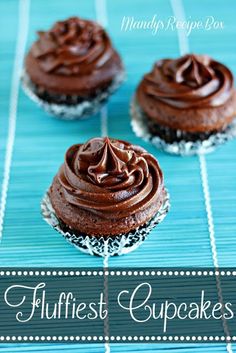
{"points": [[40, 142]]}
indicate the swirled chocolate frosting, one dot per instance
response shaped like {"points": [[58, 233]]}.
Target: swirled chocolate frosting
{"points": [[192, 81], [110, 178], [71, 47]]}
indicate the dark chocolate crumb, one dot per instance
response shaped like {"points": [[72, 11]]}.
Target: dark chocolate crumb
{"points": [[170, 135], [65, 99]]}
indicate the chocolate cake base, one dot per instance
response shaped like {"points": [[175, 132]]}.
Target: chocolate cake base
{"points": [[55, 98], [170, 135], [177, 141], [103, 246], [70, 107]]}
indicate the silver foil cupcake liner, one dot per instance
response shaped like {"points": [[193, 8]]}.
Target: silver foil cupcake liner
{"points": [[183, 148], [105, 246], [81, 110]]}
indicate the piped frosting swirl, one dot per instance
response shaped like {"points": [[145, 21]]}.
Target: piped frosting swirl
{"points": [[188, 82], [110, 178], [73, 47]]}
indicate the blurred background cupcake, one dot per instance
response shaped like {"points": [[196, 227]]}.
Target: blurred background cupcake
{"points": [[186, 105], [72, 69], [106, 197]]}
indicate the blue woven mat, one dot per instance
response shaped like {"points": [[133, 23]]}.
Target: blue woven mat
{"points": [[40, 141]]}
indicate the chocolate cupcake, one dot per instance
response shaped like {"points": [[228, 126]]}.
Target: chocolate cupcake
{"points": [[186, 105], [106, 197], [72, 69]]}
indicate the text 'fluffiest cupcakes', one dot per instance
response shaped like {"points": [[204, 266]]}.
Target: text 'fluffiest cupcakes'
{"points": [[107, 187], [189, 98], [72, 63]]}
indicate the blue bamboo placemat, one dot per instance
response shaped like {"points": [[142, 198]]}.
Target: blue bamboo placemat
{"points": [[38, 143]]}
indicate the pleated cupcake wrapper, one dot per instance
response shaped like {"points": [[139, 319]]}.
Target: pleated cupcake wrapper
{"points": [[183, 148], [105, 246], [81, 110]]}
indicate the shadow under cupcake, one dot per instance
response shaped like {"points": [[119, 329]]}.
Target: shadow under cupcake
{"points": [[72, 69]]}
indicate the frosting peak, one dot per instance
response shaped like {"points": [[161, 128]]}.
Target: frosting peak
{"points": [[107, 175], [73, 46], [191, 70], [107, 163], [188, 82]]}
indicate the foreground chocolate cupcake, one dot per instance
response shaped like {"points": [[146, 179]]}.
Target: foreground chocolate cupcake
{"points": [[106, 197], [72, 69], [186, 105]]}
